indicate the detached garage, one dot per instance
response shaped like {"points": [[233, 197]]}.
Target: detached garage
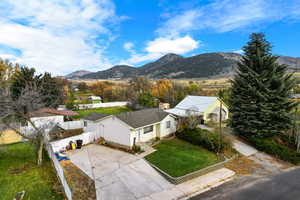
{"points": [[131, 128]]}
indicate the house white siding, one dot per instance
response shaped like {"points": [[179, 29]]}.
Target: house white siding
{"points": [[46, 121], [141, 136], [114, 130], [164, 130]]}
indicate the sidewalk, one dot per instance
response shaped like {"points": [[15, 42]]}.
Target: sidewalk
{"points": [[243, 148], [195, 186]]}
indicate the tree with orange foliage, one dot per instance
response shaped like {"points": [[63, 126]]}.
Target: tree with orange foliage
{"points": [[162, 89], [99, 87]]}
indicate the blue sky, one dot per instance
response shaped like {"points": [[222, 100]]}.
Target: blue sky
{"points": [[61, 36]]}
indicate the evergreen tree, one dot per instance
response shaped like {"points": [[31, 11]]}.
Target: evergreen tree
{"points": [[49, 87], [260, 101], [24, 77]]}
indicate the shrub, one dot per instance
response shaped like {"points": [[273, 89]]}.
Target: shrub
{"points": [[136, 149], [207, 139], [278, 150]]}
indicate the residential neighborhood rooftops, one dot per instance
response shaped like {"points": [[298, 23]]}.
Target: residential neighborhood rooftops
{"points": [[134, 119], [95, 98], [95, 116], [59, 112], [197, 104], [142, 118], [48, 112], [41, 114]]}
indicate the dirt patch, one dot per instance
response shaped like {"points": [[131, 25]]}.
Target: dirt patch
{"points": [[20, 170], [269, 164], [243, 165], [82, 186]]}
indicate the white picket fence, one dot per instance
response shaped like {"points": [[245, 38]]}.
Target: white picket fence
{"points": [[102, 105], [71, 124], [87, 137], [59, 172]]}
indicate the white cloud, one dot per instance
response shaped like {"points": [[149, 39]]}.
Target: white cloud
{"points": [[179, 45], [228, 15], [161, 46], [239, 51], [138, 58], [58, 35], [128, 46], [10, 57]]}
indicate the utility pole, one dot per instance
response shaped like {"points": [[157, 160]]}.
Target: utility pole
{"points": [[220, 126]]}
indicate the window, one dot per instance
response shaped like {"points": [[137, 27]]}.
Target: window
{"points": [[168, 124], [85, 123], [148, 129]]}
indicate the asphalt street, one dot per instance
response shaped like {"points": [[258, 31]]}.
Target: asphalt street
{"points": [[283, 186]]}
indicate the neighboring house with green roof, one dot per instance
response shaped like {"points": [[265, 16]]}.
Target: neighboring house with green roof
{"points": [[127, 129]]}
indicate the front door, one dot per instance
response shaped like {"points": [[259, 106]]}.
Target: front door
{"points": [[158, 130], [139, 135]]}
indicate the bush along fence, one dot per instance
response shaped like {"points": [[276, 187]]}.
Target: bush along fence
{"points": [[59, 172], [192, 175]]}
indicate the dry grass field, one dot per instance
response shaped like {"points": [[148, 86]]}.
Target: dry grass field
{"points": [[93, 81]]}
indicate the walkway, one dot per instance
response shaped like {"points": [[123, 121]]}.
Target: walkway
{"points": [[243, 148]]}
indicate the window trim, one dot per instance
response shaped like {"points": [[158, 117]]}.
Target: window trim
{"points": [[168, 124], [151, 129]]}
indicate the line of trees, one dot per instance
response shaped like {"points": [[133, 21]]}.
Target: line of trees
{"points": [[143, 92]]}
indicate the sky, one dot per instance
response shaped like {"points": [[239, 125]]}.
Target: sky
{"points": [[62, 36]]}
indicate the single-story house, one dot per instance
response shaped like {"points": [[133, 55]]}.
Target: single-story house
{"points": [[41, 119], [206, 107], [128, 129], [163, 105], [95, 99], [49, 117]]}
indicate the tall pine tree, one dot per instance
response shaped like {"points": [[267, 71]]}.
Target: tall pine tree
{"points": [[260, 101]]}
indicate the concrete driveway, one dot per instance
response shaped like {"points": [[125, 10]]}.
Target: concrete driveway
{"points": [[122, 176], [117, 174]]}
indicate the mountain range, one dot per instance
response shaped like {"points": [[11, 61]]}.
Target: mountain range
{"points": [[207, 65]]}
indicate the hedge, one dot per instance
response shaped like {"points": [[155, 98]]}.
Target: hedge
{"points": [[280, 151], [207, 139]]}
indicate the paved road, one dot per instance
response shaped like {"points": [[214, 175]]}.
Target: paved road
{"points": [[284, 186]]}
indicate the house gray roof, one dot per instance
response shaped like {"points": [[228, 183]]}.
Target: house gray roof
{"points": [[95, 116], [142, 118], [197, 104]]}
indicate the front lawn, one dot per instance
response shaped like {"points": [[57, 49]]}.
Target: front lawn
{"points": [[177, 157], [108, 110], [19, 172]]}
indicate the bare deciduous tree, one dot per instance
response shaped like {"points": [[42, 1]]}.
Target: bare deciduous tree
{"points": [[15, 112], [192, 119]]}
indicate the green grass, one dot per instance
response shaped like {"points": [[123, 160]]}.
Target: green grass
{"points": [[84, 94], [18, 172], [108, 110], [177, 157]]}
